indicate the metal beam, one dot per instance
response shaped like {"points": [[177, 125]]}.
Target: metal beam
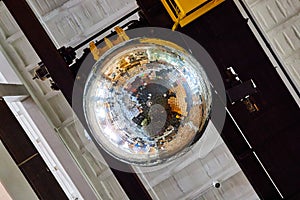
{"points": [[42, 44], [12, 90]]}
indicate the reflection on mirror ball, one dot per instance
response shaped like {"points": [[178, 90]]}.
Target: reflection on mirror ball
{"points": [[147, 101]]}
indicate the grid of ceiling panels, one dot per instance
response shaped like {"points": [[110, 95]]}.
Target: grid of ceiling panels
{"points": [[280, 21], [192, 179], [68, 22]]}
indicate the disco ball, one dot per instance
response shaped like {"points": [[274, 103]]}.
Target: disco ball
{"points": [[147, 101]]}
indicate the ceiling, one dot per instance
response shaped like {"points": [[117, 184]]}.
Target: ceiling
{"points": [[191, 177]]}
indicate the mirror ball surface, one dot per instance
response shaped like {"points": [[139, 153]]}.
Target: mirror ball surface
{"points": [[147, 101]]}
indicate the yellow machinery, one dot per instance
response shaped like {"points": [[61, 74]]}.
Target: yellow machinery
{"points": [[183, 12]]}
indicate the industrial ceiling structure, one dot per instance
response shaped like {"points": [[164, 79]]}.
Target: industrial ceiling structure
{"points": [[47, 148]]}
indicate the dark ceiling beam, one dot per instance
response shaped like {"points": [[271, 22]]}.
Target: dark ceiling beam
{"points": [[42, 44]]}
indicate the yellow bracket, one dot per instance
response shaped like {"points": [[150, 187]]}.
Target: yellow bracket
{"points": [[184, 12], [97, 52], [94, 50], [121, 33], [108, 43]]}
